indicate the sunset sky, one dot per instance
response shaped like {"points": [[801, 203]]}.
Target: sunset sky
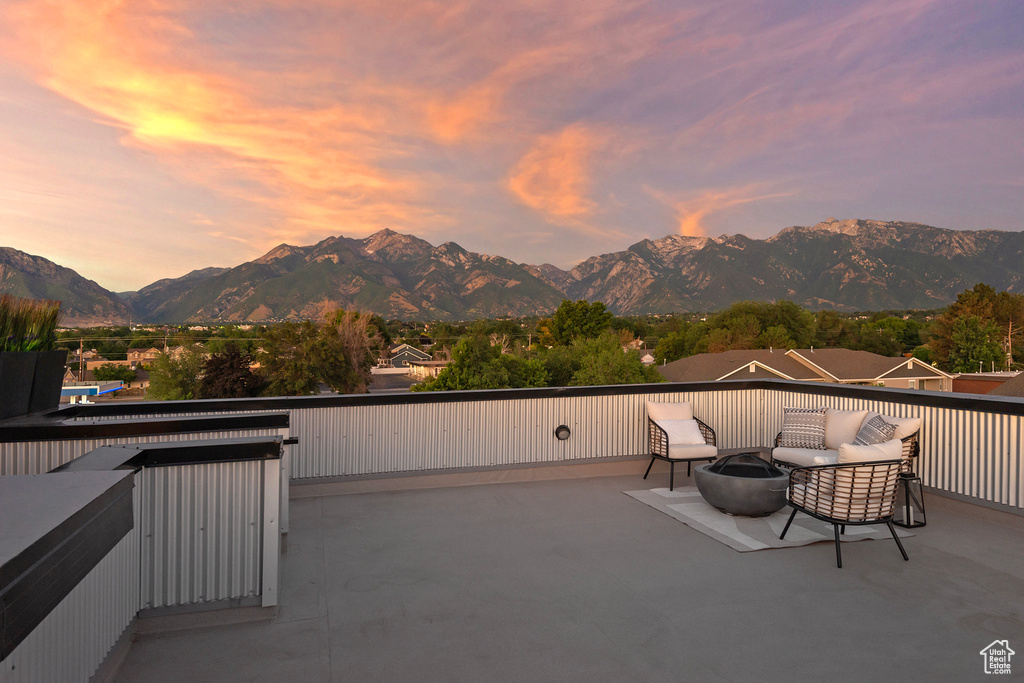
{"points": [[144, 139]]}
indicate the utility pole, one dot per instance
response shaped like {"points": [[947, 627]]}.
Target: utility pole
{"points": [[81, 359], [1009, 346]]}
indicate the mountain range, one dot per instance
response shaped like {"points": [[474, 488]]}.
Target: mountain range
{"points": [[846, 265]]}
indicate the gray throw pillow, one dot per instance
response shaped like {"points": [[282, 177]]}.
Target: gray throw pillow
{"points": [[875, 430], [803, 428]]}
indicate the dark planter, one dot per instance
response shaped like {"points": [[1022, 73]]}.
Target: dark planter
{"points": [[17, 369], [48, 379]]}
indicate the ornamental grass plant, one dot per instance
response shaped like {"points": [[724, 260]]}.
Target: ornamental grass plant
{"points": [[28, 324]]}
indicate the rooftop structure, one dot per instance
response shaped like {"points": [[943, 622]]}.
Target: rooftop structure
{"points": [[842, 366], [452, 536], [1013, 386]]}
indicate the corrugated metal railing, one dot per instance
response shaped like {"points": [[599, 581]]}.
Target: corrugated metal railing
{"points": [[39, 457], [970, 445]]}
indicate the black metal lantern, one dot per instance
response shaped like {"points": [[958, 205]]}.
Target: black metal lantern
{"points": [[562, 432], [909, 512]]}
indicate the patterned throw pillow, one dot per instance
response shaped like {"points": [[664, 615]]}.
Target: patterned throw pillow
{"points": [[803, 428], [875, 430]]}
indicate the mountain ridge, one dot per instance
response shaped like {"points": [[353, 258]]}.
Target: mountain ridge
{"points": [[852, 264]]}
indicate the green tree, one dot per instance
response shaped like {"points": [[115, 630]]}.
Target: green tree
{"points": [[882, 336], [603, 361], [832, 330], [476, 364], [228, 375], [561, 363], [110, 372], [924, 354], [176, 375], [338, 352], [974, 344], [1004, 310], [775, 337], [579, 320]]}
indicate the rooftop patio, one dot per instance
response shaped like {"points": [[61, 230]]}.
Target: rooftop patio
{"points": [[454, 537], [571, 580]]}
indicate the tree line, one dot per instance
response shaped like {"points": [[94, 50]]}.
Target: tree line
{"points": [[581, 343]]}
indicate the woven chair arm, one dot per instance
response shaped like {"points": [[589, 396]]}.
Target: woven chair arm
{"points": [[911, 446], [707, 432], [657, 439], [778, 439]]}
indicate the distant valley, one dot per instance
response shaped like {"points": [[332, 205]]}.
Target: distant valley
{"points": [[846, 265]]}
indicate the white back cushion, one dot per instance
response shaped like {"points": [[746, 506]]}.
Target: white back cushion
{"points": [[681, 410], [681, 431], [890, 450], [841, 426], [905, 426]]}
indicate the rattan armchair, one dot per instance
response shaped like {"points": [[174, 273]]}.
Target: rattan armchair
{"points": [[662, 449], [846, 494]]}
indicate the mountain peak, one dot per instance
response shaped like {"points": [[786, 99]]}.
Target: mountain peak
{"points": [[394, 244], [279, 252]]}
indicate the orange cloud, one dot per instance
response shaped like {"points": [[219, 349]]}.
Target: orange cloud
{"points": [[692, 213], [316, 168], [554, 176]]}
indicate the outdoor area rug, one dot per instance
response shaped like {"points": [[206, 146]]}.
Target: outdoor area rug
{"points": [[746, 534]]}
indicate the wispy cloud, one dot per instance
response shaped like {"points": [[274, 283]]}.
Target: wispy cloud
{"points": [[554, 176], [529, 125], [693, 212]]}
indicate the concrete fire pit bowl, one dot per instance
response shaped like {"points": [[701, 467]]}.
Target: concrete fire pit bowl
{"points": [[743, 484]]}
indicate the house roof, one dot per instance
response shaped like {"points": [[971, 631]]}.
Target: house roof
{"points": [[706, 367], [830, 365], [1011, 387], [405, 348], [847, 365]]}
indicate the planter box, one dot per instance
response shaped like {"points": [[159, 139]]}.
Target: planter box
{"points": [[48, 379], [17, 370]]}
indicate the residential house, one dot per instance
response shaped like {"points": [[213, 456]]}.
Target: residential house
{"points": [[401, 354], [137, 357], [841, 366], [426, 369]]}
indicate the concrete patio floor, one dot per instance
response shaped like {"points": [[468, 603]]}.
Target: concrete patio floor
{"points": [[570, 580]]}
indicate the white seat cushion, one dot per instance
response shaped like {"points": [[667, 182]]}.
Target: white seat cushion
{"points": [[889, 450], [804, 457], [680, 410], [681, 431], [841, 426], [686, 451]]}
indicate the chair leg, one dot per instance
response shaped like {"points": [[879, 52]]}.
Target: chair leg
{"points": [[649, 467], [687, 468], [842, 529], [897, 539], [672, 476], [786, 528], [839, 553]]}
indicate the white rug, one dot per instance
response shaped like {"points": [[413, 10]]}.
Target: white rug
{"points": [[746, 534]]}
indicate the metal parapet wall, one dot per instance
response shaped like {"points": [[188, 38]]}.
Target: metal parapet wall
{"points": [[970, 444]]}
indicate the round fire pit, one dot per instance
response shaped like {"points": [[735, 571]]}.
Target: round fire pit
{"points": [[743, 484]]}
